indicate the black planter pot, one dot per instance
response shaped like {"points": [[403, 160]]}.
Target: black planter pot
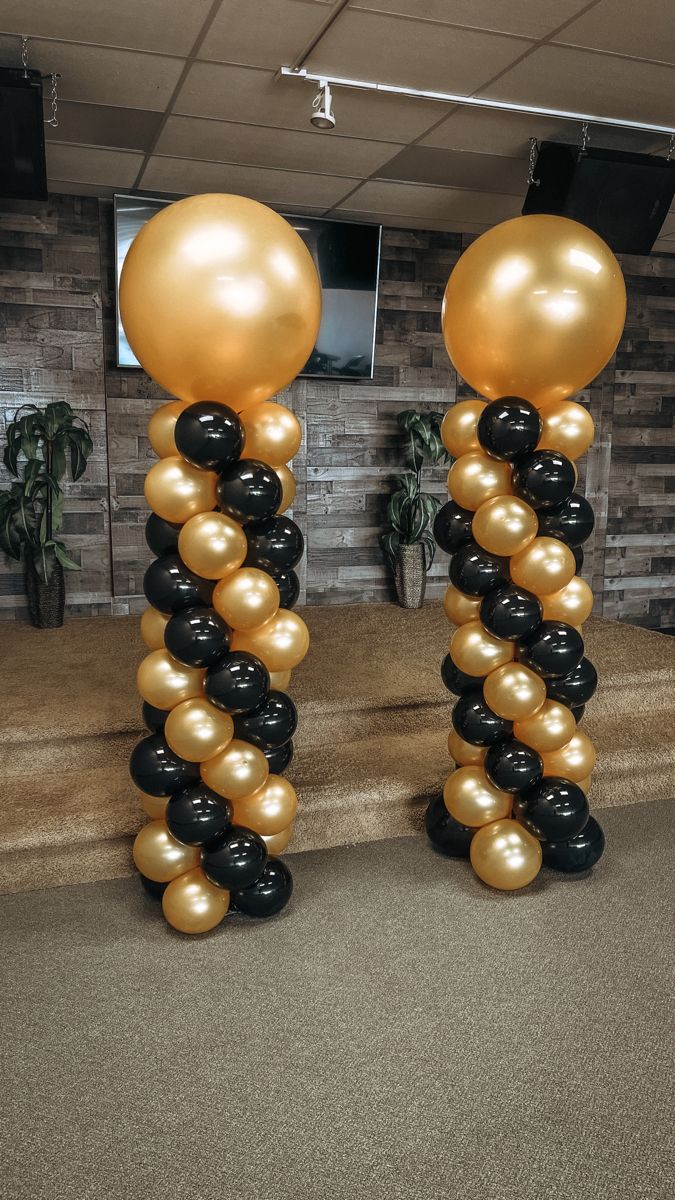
{"points": [[46, 601]]}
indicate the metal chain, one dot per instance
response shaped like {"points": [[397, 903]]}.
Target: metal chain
{"points": [[585, 139], [24, 56], [671, 147], [54, 119], [531, 181]]}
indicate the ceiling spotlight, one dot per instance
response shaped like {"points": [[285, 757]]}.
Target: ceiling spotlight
{"points": [[322, 106]]}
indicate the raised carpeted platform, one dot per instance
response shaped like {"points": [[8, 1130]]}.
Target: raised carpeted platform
{"points": [[371, 747]]}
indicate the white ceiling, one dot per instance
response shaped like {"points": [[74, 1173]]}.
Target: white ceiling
{"points": [[175, 97]]}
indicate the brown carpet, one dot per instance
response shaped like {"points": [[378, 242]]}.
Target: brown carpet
{"points": [[400, 1032], [370, 749]]}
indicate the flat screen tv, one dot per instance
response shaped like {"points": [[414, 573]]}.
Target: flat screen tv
{"points": [[347, 258], [23, 173]]}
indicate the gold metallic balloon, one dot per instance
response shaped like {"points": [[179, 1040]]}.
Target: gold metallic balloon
{"points": [[548, 729], [504, 525], [164, 682], [220, 300], [464, 753], [459, 428], [273, 433], [460, 608], [161, 428], [212, 545], [514, 692], [574, 761], [280, 680], [196, 729], [237, 771], [160, 856], [475, 651], [281, 643], [277, 842], [176, 490], [545, 566], [475, 478], [247, 598], [505, 856], [571, 604], [287, 480], [153, 806], [585, 784], [153, 624], [566, 426], [269, 810], [472, 800], [192, 904], [534, 308]]}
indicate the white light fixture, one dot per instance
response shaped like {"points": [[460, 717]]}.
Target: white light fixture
{"points": [[322, 107]]}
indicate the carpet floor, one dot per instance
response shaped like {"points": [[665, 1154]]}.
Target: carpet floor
{"points": [[400, 1032]]}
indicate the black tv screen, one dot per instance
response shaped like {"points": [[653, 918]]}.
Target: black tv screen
{"points": [[23, 174], [347, 258]]}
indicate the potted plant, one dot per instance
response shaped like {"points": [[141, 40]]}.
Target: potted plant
{"points": [[409, 545], [31, 508]]}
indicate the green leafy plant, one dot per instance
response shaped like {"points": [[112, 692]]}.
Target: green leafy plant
{"points": [[47, 441], [411, 511]]}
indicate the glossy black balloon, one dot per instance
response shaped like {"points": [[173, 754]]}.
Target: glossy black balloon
{"points": [[209, 435], [553, 650], [289, 588], [457, 681], [446, 834], [235, 859], [476, 572], [161, 535], [271, 725], [577, 687], [239, 683], [544, 479], [452, 527], [512, 766], [249, 490], [196, 815], [580, 853], [170, 587], [554, 810], [578, 558], [157, 770], [510, 612], [279, 758], [154, 718], [154, 889], [578, 712], [268, 895], [509, 428], [474, 721], [570, 522], [275, 545], [198, 637]]}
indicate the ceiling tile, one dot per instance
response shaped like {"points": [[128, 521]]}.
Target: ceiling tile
{"points": [[457, 168], [102, 125], [262, 33], [163, 26], [87, 164], [396, 221], [272, 187], [530, 18], [487, 131], [640, 30], [378, 196]]}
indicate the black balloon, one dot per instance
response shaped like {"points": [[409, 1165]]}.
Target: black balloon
{"points": [[268, 895], [509, 428], [161, 535], [553, 650], [154, 889], [170, 587], [476, 572], [446, 834], [236, 859], [544, 479], [578, 558], [457, 681], [576, 688], [209, 435], [249, 490], [554, 810], [289, 588], [155, 768], [198, 637], [154, 718], [510, 612], [274, 545], [580, 853], [570, 522], [474, 721], [452, 527], [578, 712], [196, 815], [279, 758], [512, 766], [239, 683], [271, 725]]}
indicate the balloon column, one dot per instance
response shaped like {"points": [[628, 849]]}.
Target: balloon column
{"points": [[532, 312], [221, 304]]}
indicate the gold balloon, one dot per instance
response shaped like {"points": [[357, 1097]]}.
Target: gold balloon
{"points": [[475, 478], [472, 800], [505, 856], [585, 784], [460, 608], [459, 428], [475, 651], [153, 624], [192, 904], [534, 308], [277, 842], [247, 598], [220, 300], [287, 481], [237, 771], [571, 604], [212, 545], [504, 525], [566, 426], [280, 680], [160, 856], [196, 729], [273, 433], [161, 427], [548, 729], [545, 566], [464, 753], [176, 490], [269, 810], [574, 761], [514, 692], [164, 682], [153, 806], [281, 643]]}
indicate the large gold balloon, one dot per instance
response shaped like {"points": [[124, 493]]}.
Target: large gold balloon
{"points": [[153, 806], [574, 761], [280, 680], [475, 478], [192, 904], [545, 566], [505, 856], [277, 842], [281, 643], [548, 729], [212, 545], [464, 753], [475, 651], [585, 784], [472, 800], [534, 308], [270, 809], [566, 426], [164, 682], [273, 433], [571, 604], [287, 481], [161, 427], [160, 856], [247, 598], [176, 490], [460, 608], [459, 427], [514, 692], [153, 624], [504, 525], [220, 300], [237, 771], [196, 729]]}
